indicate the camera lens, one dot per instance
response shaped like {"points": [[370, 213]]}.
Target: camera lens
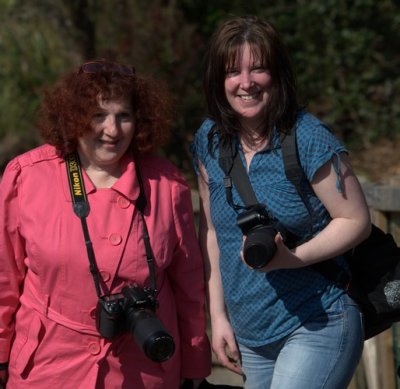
{"points": [[159, 347], [259, 247], [150, 334]]}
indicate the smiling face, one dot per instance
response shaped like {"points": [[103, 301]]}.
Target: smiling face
{"points": [[247, 88], [113, 127]]}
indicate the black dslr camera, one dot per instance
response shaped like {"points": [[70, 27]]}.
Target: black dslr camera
{"points": [[134, 311], [260, 230]]}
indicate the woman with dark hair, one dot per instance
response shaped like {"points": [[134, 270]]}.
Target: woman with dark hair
{"points": [[101, 276], [282, 324]]}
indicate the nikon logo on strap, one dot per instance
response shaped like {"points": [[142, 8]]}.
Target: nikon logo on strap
{"points": [[74, 172], [76, 185]]}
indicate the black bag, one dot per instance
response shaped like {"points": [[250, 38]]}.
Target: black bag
{"points": [[374, 282]]}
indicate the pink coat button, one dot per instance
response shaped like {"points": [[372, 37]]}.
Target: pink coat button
{"points": [[92, 313], [105, 275], [115, 239], [94, 348], [123, 202]]}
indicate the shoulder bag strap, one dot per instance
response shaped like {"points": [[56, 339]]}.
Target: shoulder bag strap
{"points": [[293, 170], [295, 174]]}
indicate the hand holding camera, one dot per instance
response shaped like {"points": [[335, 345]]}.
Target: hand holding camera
{"points": [[260, 229]]}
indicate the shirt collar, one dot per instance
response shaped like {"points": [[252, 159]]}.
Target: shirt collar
{"points": [[127, 185]]}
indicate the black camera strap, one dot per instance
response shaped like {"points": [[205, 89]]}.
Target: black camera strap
{"points": [[81, 208], [235, 173], [141, 203], [232, 166], [293, 171]]}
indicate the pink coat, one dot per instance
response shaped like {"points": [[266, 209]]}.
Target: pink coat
{"points": [[47, 293]]}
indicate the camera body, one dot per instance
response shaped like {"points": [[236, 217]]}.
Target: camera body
{"points": [[260, 230], [133, 311]]}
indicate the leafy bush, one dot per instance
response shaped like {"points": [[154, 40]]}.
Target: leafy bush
{"points": [[346, 55]]}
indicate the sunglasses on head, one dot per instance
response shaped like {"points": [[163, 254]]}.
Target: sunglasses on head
{"points": [[92, 67]]}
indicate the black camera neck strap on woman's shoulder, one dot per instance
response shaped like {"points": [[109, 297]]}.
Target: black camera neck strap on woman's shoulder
{"points": [[82, 209], [141, 203], [235, 173]]}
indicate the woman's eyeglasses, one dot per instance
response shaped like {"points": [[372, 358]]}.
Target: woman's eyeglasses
{"points": [[102, 66]]}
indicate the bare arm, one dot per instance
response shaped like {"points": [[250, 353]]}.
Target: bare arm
{"points": [[223, 339], [349, 226]]}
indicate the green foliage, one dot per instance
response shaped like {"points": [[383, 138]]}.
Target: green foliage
{"points": [[345, 53], [346, 56], [31, 57]]}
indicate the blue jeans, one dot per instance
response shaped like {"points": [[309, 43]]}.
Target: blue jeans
{"points": [[322, 353]]}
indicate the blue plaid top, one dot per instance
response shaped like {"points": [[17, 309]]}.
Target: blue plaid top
{"points": [[264, 308]]}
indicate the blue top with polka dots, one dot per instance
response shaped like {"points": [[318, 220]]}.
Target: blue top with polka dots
{"points": [[264, 308]]}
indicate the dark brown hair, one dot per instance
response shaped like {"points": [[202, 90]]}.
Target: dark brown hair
{"points": [[67, 109], [225, 50]]}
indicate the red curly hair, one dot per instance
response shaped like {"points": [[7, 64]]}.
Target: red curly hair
{"points": [[66, 111]]}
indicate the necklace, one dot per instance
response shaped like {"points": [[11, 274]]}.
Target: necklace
{"points": [[253, 144]]}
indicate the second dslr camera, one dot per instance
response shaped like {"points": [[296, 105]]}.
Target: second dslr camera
{"points": [[260, 230]]}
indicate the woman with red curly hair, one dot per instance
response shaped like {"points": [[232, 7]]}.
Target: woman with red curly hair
{"points": [[101, 277]]}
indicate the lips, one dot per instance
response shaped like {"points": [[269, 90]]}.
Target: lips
{"points": [[108, 142], [249, 97]]}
